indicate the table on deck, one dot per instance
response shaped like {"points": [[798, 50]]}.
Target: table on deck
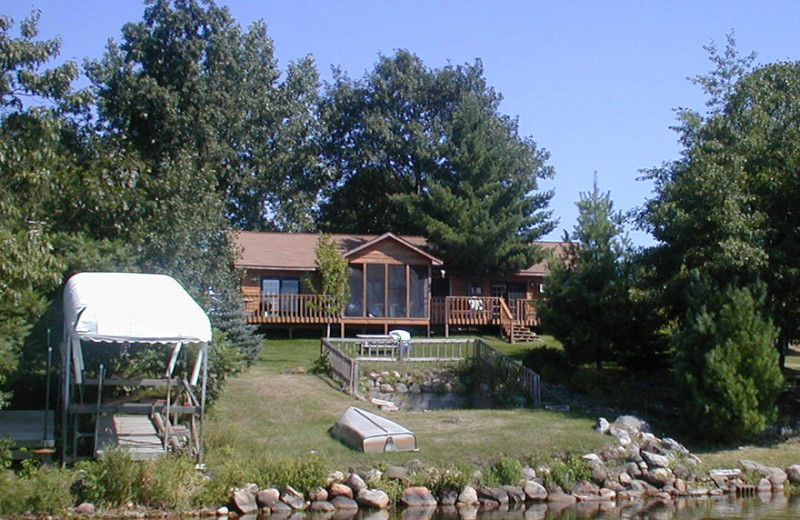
{"points": [[383, 343]]}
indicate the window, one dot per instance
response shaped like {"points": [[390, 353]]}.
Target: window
{"points": [[376, 290], [277, 294], [356, 282], [397, 291], [418, 291]]}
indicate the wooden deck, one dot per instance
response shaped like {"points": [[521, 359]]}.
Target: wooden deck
{"points": [[26, 428], [133, 433]]}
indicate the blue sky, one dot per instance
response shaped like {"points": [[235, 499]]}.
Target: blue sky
{"points": [[594, 83]]}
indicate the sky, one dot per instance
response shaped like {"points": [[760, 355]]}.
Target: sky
{"points": [[596, 84]]}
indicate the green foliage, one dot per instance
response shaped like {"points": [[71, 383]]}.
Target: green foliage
{"points": [[48, 487], [302, 473], [591, 304], [449, 478], [504, 471], [423, 151], [333, 273], [726, 363], [566, 472], [549, 362]]}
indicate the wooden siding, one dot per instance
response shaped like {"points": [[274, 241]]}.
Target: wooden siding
{"points": [[389, 252]]}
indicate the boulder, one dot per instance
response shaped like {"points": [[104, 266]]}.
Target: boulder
{"points": [[418, 496], [297, 503], [396, 473], [448, 498], [592, 457], [418, 513], [336, 476], [267, 497], [625, 479], [607, 494], [602, 425], [386, 388], [321, 506], [622, 436], [528, 473], [85, 509], [340, 490], [355, 483], [244, 501], [319, 494], [221, 511], [632, 424], [534, 490], [468, 497], [515, 494], [498, 495], [764, 485], [373, 498], [599, 472], [401, 388], [793, 473], [585, 491], [673, 445], [659, 477], [415, 389], [280, 508], [557, 495], [487, 504], [759, 468], [654, 460], [345, 503]]}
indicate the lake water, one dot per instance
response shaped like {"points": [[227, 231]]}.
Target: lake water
{"points": [[765, 507]]}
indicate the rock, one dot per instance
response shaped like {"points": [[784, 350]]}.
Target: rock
{"points": [[681, 471], [528, 473], [468, 497], [680, 486], [499, 495], [418, 513], [321, 506], [340, 490], [764, 485], [400, 388], [487, 504], [759, 468], [374, 498], [599, 472], [319, 494], [418, 497], [448, 498], [290, 498], [373, 475], [345, 503], [613, 486], [244, 501], [336, 476], [659, 477], [655, 460], [633, 469], [585, 491], [608, 494], [632, 424], [622, 436], [87, 509], [415, 389], [673, 445], [625, 479], [793, 473], [296, 370], [281, 508], [413, 464], [592, 457], [557, 495], [355, 483], [267, 497], [515, 494], [778, 479], [534, 490], [221, 511], [396, 473], [602, 425], [386, 388]]}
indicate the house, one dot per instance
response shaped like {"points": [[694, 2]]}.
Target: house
{"points": [[394, 283]]}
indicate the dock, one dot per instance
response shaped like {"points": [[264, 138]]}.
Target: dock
{"points": [[27, 429], [134, 433]]}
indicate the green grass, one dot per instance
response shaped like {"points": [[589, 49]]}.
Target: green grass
{"points": [[268, 410]]}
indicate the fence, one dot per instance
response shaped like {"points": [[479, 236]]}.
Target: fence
{"points": [[345, 354]]}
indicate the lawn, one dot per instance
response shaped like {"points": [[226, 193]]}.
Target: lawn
{"points": [[269, 409]]}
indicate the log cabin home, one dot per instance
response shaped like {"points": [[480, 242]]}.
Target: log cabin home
{"points": [[395, 282]]}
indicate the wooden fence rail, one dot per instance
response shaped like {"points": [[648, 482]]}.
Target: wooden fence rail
{"points": [[345, 354]]}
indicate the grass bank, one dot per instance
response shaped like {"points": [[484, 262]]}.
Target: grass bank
{"points": [[268, 409]]}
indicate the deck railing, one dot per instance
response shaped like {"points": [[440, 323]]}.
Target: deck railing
{"points": [[286, 308], [345, 354]]}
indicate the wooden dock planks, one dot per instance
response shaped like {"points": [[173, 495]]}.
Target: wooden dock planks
{"points": [[134, 433]]}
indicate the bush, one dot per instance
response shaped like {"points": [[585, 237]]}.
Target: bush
{"points": [[504, 471], [111, 481], [550, 363], [567, 472], [446, 479], [303, 473], [48, 487]]}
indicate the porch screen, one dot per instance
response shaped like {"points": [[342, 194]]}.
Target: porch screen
{"points": [[397, 291], [418, 291], [376, 290], [356, 283]]}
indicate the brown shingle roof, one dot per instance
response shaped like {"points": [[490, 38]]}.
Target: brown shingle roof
{"points": [[295, 251]]}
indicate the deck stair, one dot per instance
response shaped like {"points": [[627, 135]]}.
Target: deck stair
{"points": [[519, 333], [134, 433]]}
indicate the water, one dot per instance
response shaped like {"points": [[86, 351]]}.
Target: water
{"points": [[765, 507]]}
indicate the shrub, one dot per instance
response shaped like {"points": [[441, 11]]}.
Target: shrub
{"points": [[111, 481], [549, 362], [566, 472], [48, 487], [302, 473], [446, 479]]}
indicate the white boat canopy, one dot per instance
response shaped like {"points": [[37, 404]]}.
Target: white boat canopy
{"points": [[132, 308]]}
